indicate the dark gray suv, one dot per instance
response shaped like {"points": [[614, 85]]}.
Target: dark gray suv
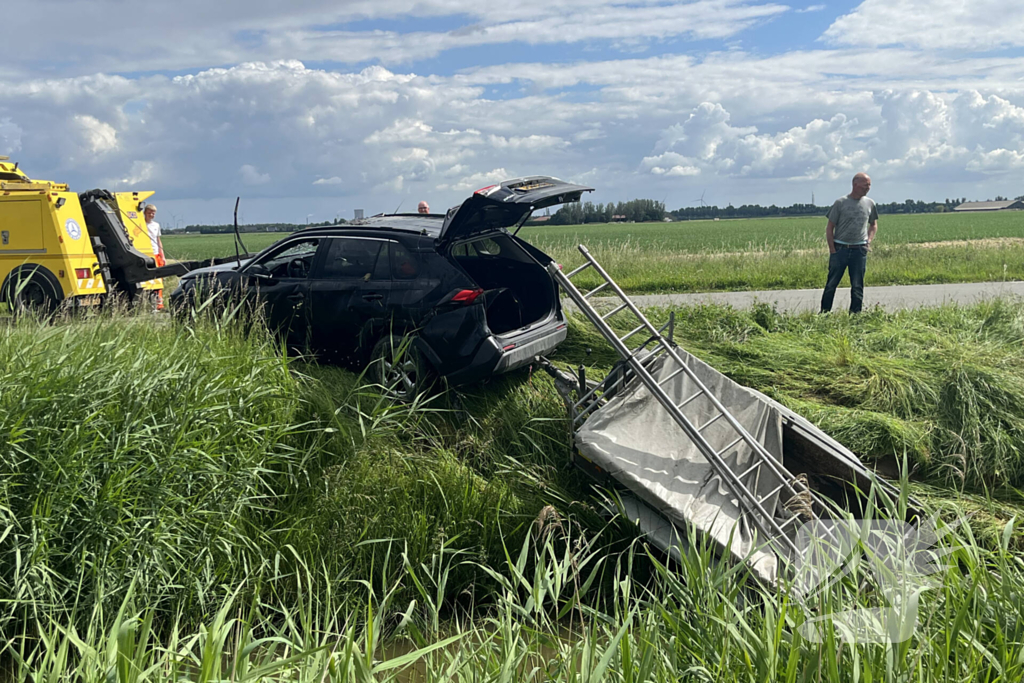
{"points": [[458, 295]]}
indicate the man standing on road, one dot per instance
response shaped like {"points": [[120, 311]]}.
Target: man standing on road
{"points": [[423, 207], [852, 224], [158, 246]]}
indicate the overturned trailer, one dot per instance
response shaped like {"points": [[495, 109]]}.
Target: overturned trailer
{"points": [[687, 448]]}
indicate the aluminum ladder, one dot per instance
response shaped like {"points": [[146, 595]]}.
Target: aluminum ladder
{"points": [[640, 359]]}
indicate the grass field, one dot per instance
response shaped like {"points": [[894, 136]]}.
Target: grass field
{"points": [[180, 501], [770, 253]]}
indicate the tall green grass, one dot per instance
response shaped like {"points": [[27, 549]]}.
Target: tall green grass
{"points": [[697, 619], [135, 452], [184, 501]]}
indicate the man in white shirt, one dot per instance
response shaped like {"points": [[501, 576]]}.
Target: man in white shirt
{"points": [[158, 246]]}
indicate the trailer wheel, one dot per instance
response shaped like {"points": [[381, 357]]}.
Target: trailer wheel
{"points": [[27, 291]]}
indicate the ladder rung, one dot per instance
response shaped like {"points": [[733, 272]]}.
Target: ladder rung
{"points": [[577, 270], [749, 470], [699, 393], [622, 339], [616, 310], [772, 492], [595, 290], [672, 376], [731, 444], [710, 422], [646, 359], [653, 354]]}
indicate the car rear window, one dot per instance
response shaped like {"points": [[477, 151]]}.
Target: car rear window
{"points": [[349, 258], [497, 246], [404, 265]]}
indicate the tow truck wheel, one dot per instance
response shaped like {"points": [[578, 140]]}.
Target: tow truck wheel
{"points": [[32, 295], [398, 366]]}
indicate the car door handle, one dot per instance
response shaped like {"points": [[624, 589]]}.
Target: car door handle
{"points": [[297, 296], [373, 297]]}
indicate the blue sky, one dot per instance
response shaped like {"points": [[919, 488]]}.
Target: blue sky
{"points": [[319, 107]]}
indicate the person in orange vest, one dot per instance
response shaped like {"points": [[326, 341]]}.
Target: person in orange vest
{"points": [[158, 247]]}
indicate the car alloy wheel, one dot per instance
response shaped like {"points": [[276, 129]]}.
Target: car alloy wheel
{"points": [[399, 368]]}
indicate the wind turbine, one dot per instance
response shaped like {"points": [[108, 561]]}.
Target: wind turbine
{"points": [[701, 200]]}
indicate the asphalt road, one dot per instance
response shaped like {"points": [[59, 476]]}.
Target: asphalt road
{"points": [[890, 298]]}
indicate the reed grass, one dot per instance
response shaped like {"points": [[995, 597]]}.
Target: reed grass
{"points": [[184, 501]]}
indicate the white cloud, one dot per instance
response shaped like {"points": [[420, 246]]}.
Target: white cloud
{"points": [[477, 180], [707, 141], [10, 136], [910, 136], [97, 136], [140, 172], [810, 8], [997, 161], [932, 24], [252, 176], [749, 125], [192, 34]]}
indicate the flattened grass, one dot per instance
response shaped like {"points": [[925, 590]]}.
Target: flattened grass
{"points": [[943, 385]]}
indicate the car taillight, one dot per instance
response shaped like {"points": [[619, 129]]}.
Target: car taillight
{"points": [[467, 296], [559, 266], [82, 273]]}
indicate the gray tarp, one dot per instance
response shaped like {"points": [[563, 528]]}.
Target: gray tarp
{"points": [[639, 444]]}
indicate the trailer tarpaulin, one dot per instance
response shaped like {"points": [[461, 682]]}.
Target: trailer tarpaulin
{"points": [[638, 443]]}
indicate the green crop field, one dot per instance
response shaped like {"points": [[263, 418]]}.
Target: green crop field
{"points": [[760, 234], [180, 501], [769, 253], [187, 247]]}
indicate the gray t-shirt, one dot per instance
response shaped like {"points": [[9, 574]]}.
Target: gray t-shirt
{"points": [[852, 218]]}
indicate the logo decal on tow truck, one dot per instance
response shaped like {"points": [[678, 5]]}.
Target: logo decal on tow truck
{"points": [[73, 228]]}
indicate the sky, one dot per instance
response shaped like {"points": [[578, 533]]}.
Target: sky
{"points": [[311, 109]]}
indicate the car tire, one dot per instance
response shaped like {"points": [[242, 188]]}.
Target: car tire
{"points": [[399, 367]]}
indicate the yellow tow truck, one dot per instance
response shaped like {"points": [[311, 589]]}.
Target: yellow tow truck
{"points": [[59, 248]]}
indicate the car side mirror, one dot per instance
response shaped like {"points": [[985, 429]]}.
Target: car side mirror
{"points": [[257, 271]]}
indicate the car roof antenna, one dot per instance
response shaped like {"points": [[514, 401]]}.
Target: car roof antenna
{"points": [[398, 207]]}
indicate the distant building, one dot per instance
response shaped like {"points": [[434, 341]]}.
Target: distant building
{"points": [[991, 206], [540, 219], [359, 215], [618, 218]]}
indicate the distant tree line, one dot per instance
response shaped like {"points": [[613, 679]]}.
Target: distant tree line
{"points": [[636, 210], [640, 210], [257, 227]]}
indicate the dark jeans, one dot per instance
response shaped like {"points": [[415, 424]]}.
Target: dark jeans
{"points": [[854, 258]]}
